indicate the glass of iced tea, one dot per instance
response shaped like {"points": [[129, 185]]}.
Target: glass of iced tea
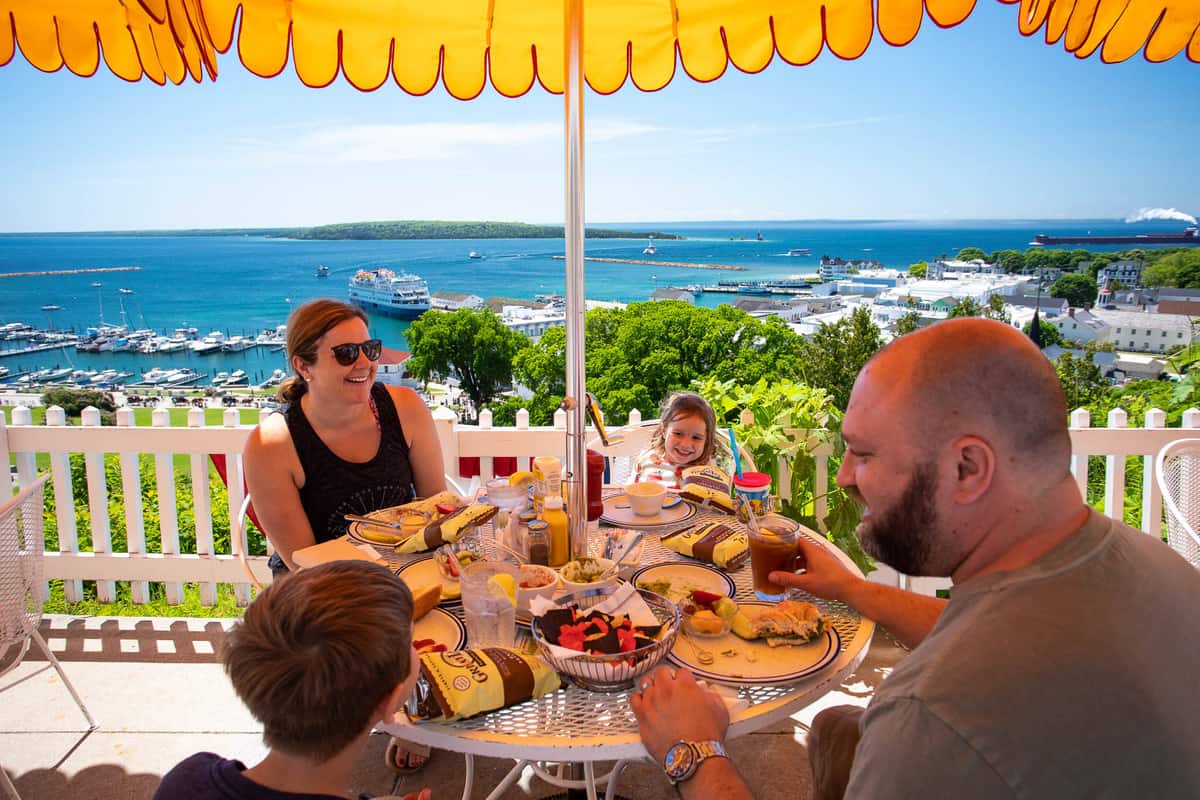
{"points": [[774, 547]]}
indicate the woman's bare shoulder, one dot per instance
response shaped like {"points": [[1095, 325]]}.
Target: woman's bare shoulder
{"points": [[406, 400], [272, 433]]}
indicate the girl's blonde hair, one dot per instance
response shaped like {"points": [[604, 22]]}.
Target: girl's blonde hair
{"points": [[305, 326], [686, 404]]}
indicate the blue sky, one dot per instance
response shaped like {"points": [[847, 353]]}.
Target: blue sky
{"points": [[971, 122]]}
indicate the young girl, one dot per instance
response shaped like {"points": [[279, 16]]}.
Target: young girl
{"points": [[685, 437]]}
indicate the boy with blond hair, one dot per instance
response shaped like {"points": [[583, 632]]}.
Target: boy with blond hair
{"points": [[318, 659]]}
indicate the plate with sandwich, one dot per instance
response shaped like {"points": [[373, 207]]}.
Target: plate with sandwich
{"points": [[768, 644]]}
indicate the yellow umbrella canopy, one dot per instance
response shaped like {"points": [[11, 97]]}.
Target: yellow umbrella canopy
{"points": [[513, 43]]}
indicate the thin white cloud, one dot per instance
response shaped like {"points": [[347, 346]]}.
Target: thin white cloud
{"points": [[429, 141]]}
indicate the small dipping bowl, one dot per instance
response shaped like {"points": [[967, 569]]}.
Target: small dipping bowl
{"points": [[646, 499]]}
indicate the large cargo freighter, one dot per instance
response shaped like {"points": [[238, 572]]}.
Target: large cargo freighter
{"points": [[1189, 236], [403, 296]]}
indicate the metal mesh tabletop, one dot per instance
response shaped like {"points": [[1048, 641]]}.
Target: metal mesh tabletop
{"points": [[578, 725]]}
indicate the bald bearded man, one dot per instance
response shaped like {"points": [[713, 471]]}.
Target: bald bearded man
{"points": [[1063, 664]]}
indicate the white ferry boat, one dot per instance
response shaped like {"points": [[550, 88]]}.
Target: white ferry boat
{"points": [[403, 296]]}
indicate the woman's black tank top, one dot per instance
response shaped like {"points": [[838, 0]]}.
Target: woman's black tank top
{"points": [[334, 487]]}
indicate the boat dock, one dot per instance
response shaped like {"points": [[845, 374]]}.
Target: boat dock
{"points": [[658, 263], [37, 348], [80, 271]]}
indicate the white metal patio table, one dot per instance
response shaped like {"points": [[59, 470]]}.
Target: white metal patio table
{"points": [[576, 726]]}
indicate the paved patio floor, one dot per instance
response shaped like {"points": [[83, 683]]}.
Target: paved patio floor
{"points": [[158, 693]]}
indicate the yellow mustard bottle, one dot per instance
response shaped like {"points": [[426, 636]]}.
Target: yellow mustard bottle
{"points": [[560, 536]]}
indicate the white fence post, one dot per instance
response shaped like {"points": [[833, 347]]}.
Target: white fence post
{"points": [[1191, 418], [1114, 472], [1151, 496], [135, 524], [1080, 418], [168, 515], [26, 462], [635, 417], [6, 486], [235, 492], [487, 464], [446, 421], [106, 591], [64, 504], [202, 505], [524, 462]]}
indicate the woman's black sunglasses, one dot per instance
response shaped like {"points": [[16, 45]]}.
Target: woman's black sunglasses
{"points": [[347, 354]]}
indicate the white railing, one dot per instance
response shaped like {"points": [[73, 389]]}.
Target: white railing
{"points": [[37, 446]]}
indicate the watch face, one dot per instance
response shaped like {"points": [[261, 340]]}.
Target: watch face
{"points": [[679, 760]]}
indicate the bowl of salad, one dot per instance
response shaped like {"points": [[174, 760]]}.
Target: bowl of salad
{"points": [[588, 572]]}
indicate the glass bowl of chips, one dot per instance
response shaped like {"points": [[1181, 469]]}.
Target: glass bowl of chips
{"points": [[575, 650]]}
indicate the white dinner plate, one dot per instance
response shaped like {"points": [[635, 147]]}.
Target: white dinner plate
{"points": [[423, 572], [618, 513], [443, 627], [685, 577], [353, 529], [738, 662]]}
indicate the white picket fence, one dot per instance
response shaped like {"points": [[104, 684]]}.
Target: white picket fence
{"points": [[23, 442]]}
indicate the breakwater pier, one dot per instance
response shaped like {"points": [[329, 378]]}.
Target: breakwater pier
{"points": [[658, 263], [80, 271]]}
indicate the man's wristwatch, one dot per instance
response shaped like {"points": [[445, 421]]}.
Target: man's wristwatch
{"points": [[683, 758]]}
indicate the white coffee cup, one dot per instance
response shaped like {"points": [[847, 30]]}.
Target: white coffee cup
{"points": [[646, 499]]}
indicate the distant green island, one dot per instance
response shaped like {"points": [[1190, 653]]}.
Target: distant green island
{"points": [[397, 229], [441, 229]]}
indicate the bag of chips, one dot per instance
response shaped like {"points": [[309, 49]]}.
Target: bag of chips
{"points": [[714, 542], [463, 683], [707, 485], [449, 528]]}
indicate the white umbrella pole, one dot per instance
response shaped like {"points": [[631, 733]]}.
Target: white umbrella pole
{"points": [[575, 471]]}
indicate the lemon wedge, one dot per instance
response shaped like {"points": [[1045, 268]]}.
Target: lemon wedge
{"points": [[503, 585], [521, 477]]}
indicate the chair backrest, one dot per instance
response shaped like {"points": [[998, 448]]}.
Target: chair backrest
{"points": [[621, 457], [218, 460], [1177, 470], [21, 547]]}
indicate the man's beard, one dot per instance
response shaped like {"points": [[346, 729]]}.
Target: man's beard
{"points": [[903, 535]]}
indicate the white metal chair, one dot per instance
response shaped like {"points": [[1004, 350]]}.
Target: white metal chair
{"points": [[1177, 470], [21, 593]]}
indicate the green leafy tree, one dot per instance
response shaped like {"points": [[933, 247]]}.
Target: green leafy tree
{"points": [[1081, 378], [967, 307], [908, 323], [639, 354], [837, 351], [970, 254], [74, 401], [1180, 269], [995, 310], [1011, 261], [1078, 290], [470, 343], [919, 269], [1051, 335], [786, 422]]}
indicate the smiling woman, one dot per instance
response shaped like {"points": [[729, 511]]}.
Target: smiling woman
{"points": [[344, 444]]}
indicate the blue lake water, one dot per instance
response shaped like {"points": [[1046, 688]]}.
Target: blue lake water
{"points": [[243, 284]]}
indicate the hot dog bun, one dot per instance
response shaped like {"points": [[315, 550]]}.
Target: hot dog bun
{"points": [[425, 598]]}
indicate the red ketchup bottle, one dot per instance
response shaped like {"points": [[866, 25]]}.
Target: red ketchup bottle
{"points": [[595, 485]]}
